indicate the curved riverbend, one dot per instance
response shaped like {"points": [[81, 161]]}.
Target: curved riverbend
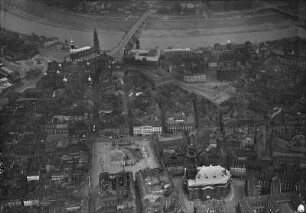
{"points": [[65, 25]]}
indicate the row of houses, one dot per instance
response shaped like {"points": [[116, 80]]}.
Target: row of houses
{"points": [[195, 78], [146, 130], [296, 61]]}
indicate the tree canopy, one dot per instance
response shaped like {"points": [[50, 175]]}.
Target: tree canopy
{"points": [[68, 4]]}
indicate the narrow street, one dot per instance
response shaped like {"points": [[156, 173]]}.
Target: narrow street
{"points": [[237, 192], [95, 170], [94, 174], [178, 185]]}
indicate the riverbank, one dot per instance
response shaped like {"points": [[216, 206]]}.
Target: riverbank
{"points": [[151, 39], [214, 31], [28, 9], [193, 34], [191, 22], [27, 24]]}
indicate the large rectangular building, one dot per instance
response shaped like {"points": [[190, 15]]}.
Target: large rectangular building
{"points": [[157, 193], [207, 182], [147, 130], [143, 56], [116, 193], [170, 151], [194, 78]]}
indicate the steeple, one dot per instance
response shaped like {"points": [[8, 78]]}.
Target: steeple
{"points": [[72, 44], [229, 44], [191, 155], [96, 43], [137, 44]]}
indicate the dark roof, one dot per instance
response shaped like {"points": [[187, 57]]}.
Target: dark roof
{"points": [[228, 56], [191, 173], [247, 204]]}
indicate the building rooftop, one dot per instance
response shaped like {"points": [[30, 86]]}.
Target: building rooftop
{"points": [[285, 203], [172, 138], [72, 51], [112, 157], [210, 175], [145, 54], [117, 187], [114, 182], [152, 183]]}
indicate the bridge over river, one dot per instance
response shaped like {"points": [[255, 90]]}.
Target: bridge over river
{"points": [[117, 52]]}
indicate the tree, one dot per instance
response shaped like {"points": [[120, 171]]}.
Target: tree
{"points": [[177, 8], [68, 4]]}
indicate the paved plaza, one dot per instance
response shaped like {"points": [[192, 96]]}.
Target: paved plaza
{"points": [[102, 158]]}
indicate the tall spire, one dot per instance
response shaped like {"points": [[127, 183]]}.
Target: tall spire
{"points": [[72, 44], [229, 44], [190, 161], [96, 43]]}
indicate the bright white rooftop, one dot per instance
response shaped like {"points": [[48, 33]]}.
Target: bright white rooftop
{"points": [[210, 175]]}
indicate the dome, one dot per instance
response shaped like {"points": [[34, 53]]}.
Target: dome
{"points": [[301, 208]]}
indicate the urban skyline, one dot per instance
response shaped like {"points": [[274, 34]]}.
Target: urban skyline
{"points": [[152, 106]]}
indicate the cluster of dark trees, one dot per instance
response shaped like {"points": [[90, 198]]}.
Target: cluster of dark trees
{"points": [[15, 46], [176, 8], [68, 4], [223, 6]]}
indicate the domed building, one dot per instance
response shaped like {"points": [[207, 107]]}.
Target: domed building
{"points": [[204, 182], [209, 182], [301, 208]]}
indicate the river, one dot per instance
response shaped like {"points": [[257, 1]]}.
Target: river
{"points": [[148, 41], [82, 37], [25, 23]]}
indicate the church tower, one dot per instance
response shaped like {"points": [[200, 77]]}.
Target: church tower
{"points": [[190, 170], [96, 43], [190, 161], [72, 44], [229, 44]]}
